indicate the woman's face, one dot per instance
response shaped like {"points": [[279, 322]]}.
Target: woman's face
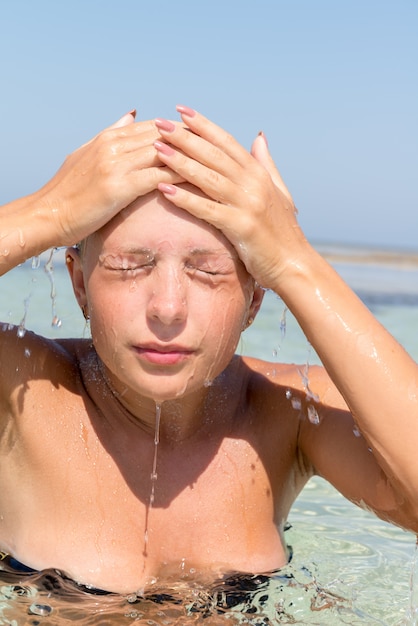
{"points": [[167, 298]]}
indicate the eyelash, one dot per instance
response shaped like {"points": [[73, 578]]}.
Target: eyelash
{"points": [[150, 265], [199, 269]]}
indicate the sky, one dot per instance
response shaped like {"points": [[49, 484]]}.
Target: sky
{"points": [[332, 83]]}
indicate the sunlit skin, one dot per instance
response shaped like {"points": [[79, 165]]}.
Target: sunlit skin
{"points": [[168, 296], [168, 299]]}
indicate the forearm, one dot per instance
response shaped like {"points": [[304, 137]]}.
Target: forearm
{"points": [[27, 228], [376, 376], [250, 204], [94, 183]]}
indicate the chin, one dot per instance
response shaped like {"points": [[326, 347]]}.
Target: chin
{"points": [[167, 389]]}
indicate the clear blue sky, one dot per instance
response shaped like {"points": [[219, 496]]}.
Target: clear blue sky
{"points": [[332, 83]]}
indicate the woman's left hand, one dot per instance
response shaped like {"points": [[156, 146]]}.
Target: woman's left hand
{"points": [[246, 197]]}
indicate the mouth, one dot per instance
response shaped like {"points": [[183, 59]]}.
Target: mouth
{"points": [[163, 355]]}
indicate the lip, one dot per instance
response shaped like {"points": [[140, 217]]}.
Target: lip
{"points": [[163, 355]]}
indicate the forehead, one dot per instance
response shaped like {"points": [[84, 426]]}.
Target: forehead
{"points": [[153, 222]]}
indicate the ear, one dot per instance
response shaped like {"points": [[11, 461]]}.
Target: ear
{"points": [[75, 270], [255, 304], [257, 300]]}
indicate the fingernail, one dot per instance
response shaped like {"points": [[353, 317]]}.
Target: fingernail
{"points": [[164, 125], [163, 148], [261, 134], [185, 110], [165, 188]]}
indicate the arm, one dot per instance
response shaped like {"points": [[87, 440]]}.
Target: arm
{"points": [[94, 183], [249, 202]]}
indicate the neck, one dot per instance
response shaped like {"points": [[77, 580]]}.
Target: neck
{"points": [[180, 418]]}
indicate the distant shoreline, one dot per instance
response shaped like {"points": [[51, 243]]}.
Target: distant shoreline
{"points": [[334, 253], [364, 255]]}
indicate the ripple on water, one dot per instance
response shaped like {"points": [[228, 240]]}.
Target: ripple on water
{"points": [[292, 595]]}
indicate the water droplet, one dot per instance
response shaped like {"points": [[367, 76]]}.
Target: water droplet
{"points": [[40, 609], [283, 323], [27, 353], [56, 322], [356, 432], [304, 374], [21, 330], [36, 261], [296, 403], [313, 414], [132, 598], [288, 394]]}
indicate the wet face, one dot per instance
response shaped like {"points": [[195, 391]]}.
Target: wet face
{"points": [[167, 298]]}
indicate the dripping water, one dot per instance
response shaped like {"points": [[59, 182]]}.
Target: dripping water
{"points": [[153, 476], [36, 261], [21, 329], [283, 327], [49, 270]]}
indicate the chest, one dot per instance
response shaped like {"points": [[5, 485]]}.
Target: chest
{"points": [[126, 507]]}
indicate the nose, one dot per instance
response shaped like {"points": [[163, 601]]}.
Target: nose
{"points": [[168, 303]]}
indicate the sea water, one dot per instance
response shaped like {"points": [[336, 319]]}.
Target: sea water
{"points": [[348, 567]]}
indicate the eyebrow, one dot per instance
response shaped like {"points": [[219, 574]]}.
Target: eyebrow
{"points": [[212, 252]]}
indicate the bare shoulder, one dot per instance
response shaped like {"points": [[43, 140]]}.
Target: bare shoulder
{"points": [[28, 358], [294, 380], [278, 408]]}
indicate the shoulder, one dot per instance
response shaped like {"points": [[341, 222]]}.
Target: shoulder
{"points": [[297, 395], [290, 378], [26, 356], [276, 393]]}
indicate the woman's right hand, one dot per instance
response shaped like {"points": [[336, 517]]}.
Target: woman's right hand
{"points": [[102, 177]]}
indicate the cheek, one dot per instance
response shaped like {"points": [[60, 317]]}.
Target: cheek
{"points": [[108, 312], [226, 321]]}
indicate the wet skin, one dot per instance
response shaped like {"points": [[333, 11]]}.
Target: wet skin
{"points": [[167, 299]]}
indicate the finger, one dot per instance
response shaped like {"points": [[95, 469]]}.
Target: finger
{"points": [[260, 151], [198, 205], [125, 122], [212, 183], [148, 179], [214, 134], [197, 148], [126, 119]]}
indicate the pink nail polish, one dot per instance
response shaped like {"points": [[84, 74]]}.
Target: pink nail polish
{"points": [[165, 188], [185, 110], [164, 125], [163, 148]]}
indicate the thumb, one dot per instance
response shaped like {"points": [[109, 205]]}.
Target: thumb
{"points": [[126, 119], [261, 153]]}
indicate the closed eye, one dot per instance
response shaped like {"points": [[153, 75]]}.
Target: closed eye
{"points": [[127, 262], [211, 264], [203, 270]]}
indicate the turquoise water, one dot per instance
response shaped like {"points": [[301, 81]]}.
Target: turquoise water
{"points": [[348, 567]]}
